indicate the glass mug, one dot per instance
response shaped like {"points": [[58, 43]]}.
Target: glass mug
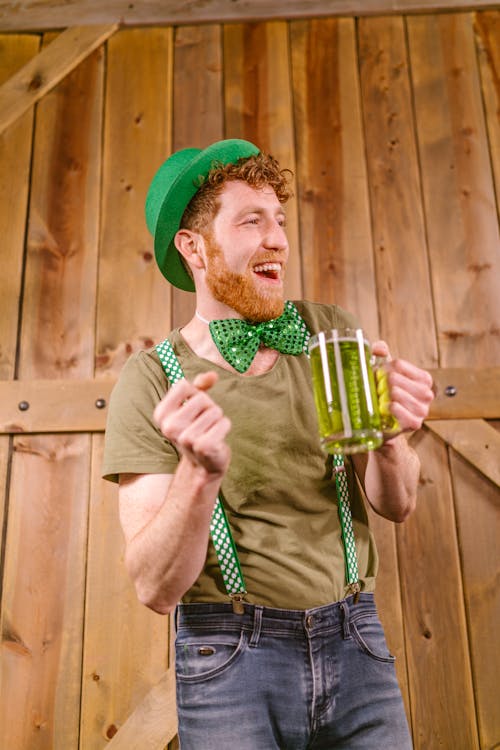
{"points": [[351, 392]]}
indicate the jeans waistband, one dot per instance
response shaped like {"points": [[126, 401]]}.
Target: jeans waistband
{"points": [[274, 620]]}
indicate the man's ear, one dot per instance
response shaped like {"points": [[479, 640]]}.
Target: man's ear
{"points": [[190, 246]]}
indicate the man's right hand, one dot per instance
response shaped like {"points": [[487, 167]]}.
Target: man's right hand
{"points": [[195, 424]]}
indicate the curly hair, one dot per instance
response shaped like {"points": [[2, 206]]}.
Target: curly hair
{"points": [[257, 171]]}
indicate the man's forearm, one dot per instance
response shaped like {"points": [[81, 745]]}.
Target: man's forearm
{"points": [[166, 557], [391, 476]]}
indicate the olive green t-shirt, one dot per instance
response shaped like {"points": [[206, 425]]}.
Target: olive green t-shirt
{"points": [[279, 493]]}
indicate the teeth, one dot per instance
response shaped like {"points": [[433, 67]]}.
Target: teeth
{"points": [[268, 267]]}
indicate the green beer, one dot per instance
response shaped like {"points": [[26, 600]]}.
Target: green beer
{"points": [[345, 392]]}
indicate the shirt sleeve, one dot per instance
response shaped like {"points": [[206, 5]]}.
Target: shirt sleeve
{"points": [[133, 444]]}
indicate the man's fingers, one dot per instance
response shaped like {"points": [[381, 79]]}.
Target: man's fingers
{"points": [[205, 380], [181, 392]]}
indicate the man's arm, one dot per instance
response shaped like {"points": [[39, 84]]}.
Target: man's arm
{"points": [[390, 474], [166, 518]]}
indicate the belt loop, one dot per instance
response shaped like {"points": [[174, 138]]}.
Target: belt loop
{"points": [[257, 625], [176, 618], [344, 606]]}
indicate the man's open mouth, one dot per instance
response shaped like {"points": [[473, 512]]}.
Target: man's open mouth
{"points": [[268, 270]]}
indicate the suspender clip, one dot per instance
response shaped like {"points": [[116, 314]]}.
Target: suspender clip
{"points": [[354, 589], [238, 603]]}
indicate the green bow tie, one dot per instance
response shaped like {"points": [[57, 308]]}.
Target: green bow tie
{"points": [[238, 341]]}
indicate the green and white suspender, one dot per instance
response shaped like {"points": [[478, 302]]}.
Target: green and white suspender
{"points": [[220, 530]]}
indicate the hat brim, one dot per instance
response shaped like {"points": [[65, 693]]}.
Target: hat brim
{"points": [[176, 199]]}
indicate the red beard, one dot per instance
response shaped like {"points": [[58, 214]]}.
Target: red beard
{"points": [[239, 291]]}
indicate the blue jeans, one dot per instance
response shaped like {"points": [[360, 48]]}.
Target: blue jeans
{"points": [[276, 679]]}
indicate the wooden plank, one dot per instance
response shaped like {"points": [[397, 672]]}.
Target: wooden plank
{"points": [[335, 232], [258, 108], [476, 503], [126, 644], [443, 712], [473, 393], [124, 656], [54, 14], [59, 293], [43, 600], [487, 34], [48, 68], [475, 440], [398, 224], [54, 405], [153, 723], [462, 221], [134, 298], [15, 157], [197, 111]]}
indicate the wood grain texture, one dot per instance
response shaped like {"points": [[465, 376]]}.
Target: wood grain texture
{"points": [[460, 206], [487, 35], [15, 159], [401, 260], [125, 645], [48, 68], [197, 111], [475, 393], [53, 14], [441, 690], [54, 405], [59, 312], [15, 163], [43, 602], [42, 612], [477, 504], [258, 108], [133, 297], [153, 723], [475, 440], [335, 231]]}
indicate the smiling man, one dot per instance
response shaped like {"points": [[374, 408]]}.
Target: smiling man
{"points": [[227, 501]]}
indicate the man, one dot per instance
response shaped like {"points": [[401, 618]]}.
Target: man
{"points": [[296, 658]]}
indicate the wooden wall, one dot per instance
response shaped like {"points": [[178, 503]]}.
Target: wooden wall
{"points": [[391, 126]]}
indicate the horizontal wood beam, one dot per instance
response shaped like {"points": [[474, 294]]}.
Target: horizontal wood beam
{"points": [[33, 15], [475, 440], [153, 724], [28, 406], [466, 393], [48, 68]]}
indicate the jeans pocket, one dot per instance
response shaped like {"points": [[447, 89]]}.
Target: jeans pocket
{"points": [[369, 635], [203, 657]]}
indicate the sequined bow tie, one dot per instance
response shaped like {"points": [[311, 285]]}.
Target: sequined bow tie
{"points": [[238, 341]]}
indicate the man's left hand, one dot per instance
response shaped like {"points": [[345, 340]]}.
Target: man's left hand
{"points": [[410, 389]]}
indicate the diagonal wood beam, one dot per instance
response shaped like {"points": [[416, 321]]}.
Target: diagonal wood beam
{"points": [[48, 68], [153, 723], [475, 440]]}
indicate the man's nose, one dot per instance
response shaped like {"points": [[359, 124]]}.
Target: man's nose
{"points": [[275, 237]]}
